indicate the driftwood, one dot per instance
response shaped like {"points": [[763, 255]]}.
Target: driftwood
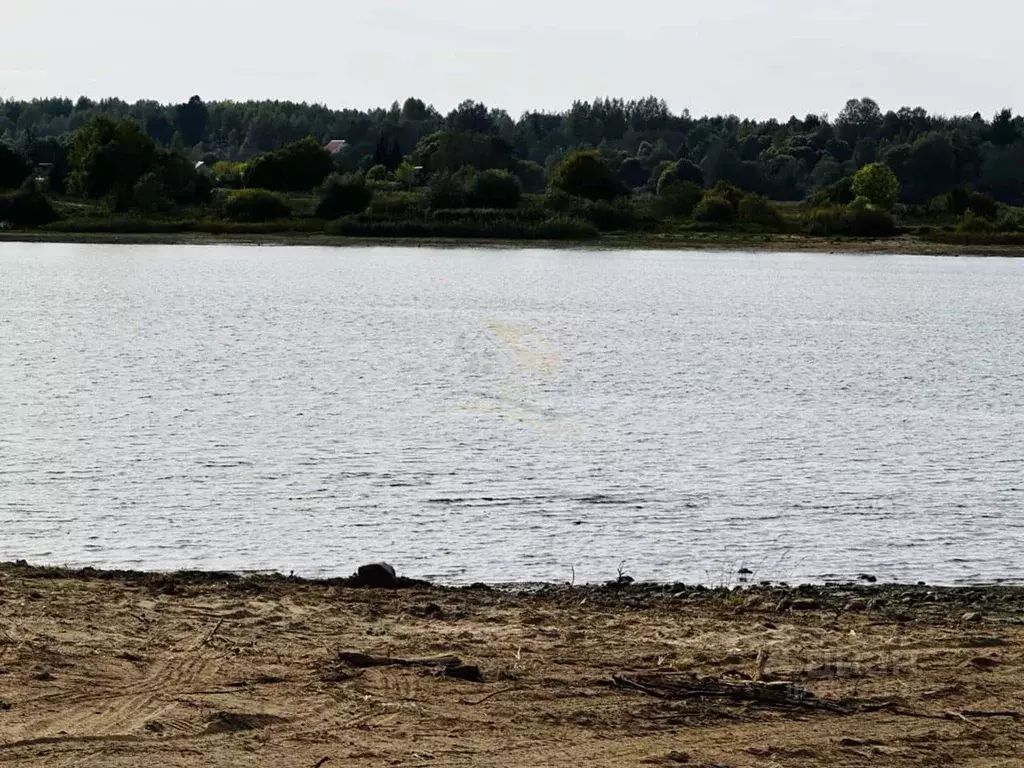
{"points": [[365, 661], [444, 665], [677, 686]]}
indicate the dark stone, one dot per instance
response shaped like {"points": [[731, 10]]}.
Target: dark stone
{"points": [[468, 672], [378, 576]]}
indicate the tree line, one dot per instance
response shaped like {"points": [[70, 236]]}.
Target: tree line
{"points": [[930, 155]]}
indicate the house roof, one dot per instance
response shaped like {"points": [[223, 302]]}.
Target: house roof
{"points": [[335, 146]]}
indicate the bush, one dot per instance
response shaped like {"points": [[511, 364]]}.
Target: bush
{"points": [[446, 191], [150, 194], [341, 196], [1010, 219], [530, 175], [729, 192], [713, 209], [877, 183], [754, 209], [868, 221], [610, 217], [974, 223], [982, 205], [850, 221], [14, 168], [26, 209], [297, 167], [495, 189], [684, 170], [583, 173], [490, 215], [398, 204], [839, 193], [255, 205], [677, 198]]}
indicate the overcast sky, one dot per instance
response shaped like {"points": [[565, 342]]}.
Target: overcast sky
{"points": [[756, 58]]}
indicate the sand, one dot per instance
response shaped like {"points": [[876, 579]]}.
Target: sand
{"points": [[102, 669]]}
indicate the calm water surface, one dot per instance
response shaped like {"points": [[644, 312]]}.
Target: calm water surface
{"points": [[492, 415]]}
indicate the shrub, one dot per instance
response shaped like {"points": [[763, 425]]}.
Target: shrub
{"points": [[14, 168], [255, 205], [1010, 219], [684, 170], [398, 204], [342, 195], [825, 220], [583, 173], [713, 209], [868, 221], [634, 172], [296, 167], [150, 194], [446, 191], [982, 205], [838, 193], [26, 209], [611, 216], [972, 222], [877, 183], [677, 198], [850, 221], [729, 192], [754, 209], [495, 189], [530, 175]]}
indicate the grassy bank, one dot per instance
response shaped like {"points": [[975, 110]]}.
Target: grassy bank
{"points": [[204, 669], [195, 233]]}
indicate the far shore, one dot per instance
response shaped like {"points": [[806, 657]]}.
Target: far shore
{"points": [[691, 241]]}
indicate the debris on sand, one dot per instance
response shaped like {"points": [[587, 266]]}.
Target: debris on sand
{"points": [[233, 722], [675, 686], [445, 665]]}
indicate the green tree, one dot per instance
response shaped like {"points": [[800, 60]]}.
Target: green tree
{"points": [[878, 184], [584, 174], [406, 174], [254, 206], [343, 195], [109, 157], [297, 167], [634, 172], [495, 189], [678, 198], [714, 209], [191, 121], [14, 168], [685, 170]]}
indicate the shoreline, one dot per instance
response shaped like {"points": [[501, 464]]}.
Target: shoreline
{"points": [[905, 245], [255, 581], [269, 578], [120, 669]]}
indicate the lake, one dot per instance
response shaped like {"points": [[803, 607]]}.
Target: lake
{"points": [[513, 415]]}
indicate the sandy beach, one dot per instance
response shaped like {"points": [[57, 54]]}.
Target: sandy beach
{"points": [[103, 669]]}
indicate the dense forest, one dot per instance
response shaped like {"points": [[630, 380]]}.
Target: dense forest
{"points": [[143, 156]]}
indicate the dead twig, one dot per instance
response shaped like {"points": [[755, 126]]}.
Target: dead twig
{"points": [[489, 696], [213, 633], [321, 761]]}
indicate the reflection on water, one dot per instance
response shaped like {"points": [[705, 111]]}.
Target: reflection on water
{"points": [[512, 415]]}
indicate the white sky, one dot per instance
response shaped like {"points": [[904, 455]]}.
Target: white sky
{"points": [[755, 58]]}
